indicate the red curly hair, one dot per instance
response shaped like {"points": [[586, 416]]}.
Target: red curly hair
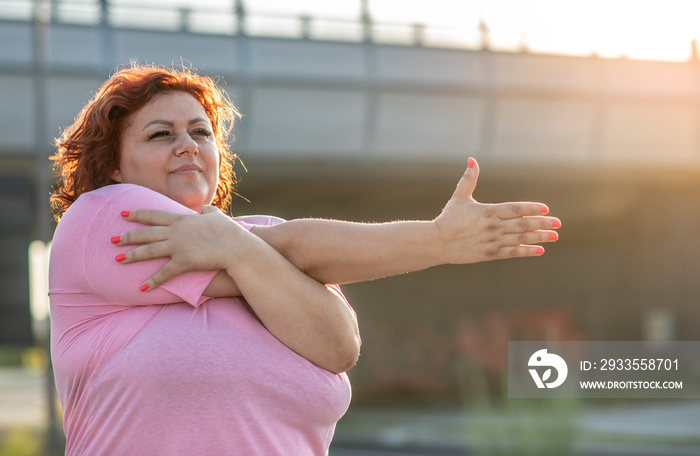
{"points": [[88, 151]]}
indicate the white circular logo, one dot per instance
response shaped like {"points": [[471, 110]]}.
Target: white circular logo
{"points": [[543, 359]]}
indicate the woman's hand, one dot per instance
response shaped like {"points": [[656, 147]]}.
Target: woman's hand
{"points": [[192, 242], [472, 232]]}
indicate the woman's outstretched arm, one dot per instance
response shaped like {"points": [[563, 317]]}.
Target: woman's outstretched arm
{"points": [[465, 232]]}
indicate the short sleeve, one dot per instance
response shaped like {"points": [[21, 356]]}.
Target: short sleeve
{"points": [[117, 283]]}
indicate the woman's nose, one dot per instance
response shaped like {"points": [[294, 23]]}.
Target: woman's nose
{"points": [[186, 144]]}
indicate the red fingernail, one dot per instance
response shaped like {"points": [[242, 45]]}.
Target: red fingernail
{"points": [[116, 239], [539, 251], [553, 236], [143, 287], [126, 213], [556, 224], [544, 210], [470, 163], [121, 257]]}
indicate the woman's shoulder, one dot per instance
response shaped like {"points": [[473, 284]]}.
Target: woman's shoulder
{"points": [[134, 196], [115, 190]]}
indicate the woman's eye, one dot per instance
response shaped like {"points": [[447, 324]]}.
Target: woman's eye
{"points": [[159, 134], [202, 132]]}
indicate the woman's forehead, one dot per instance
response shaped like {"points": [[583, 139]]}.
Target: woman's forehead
{"points": [[172, 104]]}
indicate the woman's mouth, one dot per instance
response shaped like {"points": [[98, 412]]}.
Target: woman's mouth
{"points": [[185, 170]]}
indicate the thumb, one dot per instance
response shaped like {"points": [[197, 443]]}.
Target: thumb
{"points": [[467, 184]]}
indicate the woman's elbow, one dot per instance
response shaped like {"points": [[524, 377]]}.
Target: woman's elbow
{"points": [[346, 356]]}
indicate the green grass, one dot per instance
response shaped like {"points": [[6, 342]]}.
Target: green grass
{"points": [[524, 428], [21, 441]]}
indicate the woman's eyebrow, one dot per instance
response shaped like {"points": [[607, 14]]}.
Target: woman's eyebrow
{"points": [[172, 124], [159, 121], [199, 119]]}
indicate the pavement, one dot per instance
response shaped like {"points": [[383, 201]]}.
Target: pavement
{"points": [[644, 428]]}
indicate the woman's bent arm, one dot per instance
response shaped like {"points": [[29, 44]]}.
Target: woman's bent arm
{"points": [[301, 312]]}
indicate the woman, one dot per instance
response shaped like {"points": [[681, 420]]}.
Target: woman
{"points": [[216, 335]]}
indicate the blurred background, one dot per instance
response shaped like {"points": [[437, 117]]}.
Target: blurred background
{"points": [[367, 110]]}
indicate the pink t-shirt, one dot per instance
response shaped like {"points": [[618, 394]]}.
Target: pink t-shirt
{"points": [[169, 371]]}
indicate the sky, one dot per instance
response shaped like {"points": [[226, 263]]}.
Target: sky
{"points": [[637, 29]]}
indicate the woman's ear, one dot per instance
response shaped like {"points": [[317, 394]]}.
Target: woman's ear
{"points": [[117, 175]]}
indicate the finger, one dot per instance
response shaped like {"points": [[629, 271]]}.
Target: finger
{"points": [[141, 236], [519, 251], [519, 209], [167, 272], [151, 216], [144, 252], [524, 224], [529, 238], [467, 184]]}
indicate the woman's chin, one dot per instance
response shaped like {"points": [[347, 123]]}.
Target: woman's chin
{"points": [[190, 202]]}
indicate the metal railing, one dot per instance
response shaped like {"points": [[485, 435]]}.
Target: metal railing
{"points": [[237, 20]]}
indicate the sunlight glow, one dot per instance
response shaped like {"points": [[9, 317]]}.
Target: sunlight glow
{"points": [[636, 29], [651, 29], [38, 279]]}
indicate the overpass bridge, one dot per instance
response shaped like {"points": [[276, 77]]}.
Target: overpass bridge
{"points": [[357, 97]]}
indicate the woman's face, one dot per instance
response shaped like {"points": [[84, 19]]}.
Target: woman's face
{"points": [[169, 146]]}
